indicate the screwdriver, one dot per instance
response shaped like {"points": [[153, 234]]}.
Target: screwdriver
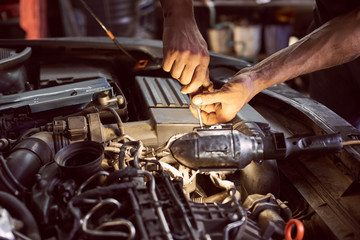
{"points": [[197, 107], [199, 115], [207, 85]]}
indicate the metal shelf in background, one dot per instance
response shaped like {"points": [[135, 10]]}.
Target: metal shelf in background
{"points": [[259, 3]]}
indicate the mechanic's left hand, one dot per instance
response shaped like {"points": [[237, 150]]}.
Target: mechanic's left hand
{"points": [[186, 54]]}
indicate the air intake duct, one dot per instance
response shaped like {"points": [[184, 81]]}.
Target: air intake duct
{"points": [[18, 170]]}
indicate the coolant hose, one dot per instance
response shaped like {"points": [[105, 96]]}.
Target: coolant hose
{"points": [[19, 211], [17, 172], [120, 124]]}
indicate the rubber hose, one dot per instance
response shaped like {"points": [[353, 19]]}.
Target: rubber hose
{"points": [[19, 211]]}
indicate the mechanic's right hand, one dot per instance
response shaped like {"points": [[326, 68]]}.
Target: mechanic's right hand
{"points": [[222, 105]]}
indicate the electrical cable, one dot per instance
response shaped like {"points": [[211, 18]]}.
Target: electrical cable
{"points": [[120, 124], [123, 148], [351, 142]]}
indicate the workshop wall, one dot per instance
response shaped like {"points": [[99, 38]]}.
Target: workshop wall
{"points": [[250, 30], [242, 28]]}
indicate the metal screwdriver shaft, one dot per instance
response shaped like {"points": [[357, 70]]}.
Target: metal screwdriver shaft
{"points": [[197, 109], [200, 120]]}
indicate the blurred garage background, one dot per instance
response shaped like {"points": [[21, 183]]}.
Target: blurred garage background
{"points": [[247, 29]]}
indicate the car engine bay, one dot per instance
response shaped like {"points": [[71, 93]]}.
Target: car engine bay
{"points": [[93, 149]]}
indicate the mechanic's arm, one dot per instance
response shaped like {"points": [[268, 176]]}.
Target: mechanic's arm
{"points": [[334, 43], [186, 54]]}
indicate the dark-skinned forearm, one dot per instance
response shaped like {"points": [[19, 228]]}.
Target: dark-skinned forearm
{"points": [[334, 43], [177, 8]]}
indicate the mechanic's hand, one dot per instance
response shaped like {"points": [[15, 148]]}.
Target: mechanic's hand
{"points": [[186, 55], [222, 105]]}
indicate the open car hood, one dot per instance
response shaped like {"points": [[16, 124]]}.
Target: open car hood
{"points": [[90, 149]]}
